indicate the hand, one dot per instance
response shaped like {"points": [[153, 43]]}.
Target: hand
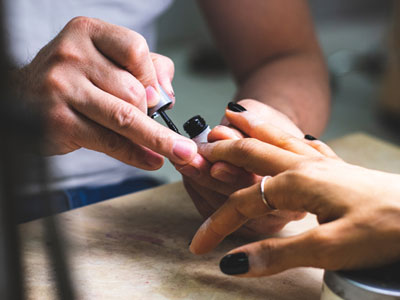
{"points": [[358, 209], [209, 185], [94, 83]]}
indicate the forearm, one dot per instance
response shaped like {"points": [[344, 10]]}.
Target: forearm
{"points": [[273, 53], [296, 84]]}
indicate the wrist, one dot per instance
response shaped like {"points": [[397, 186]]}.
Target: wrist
{"points": [[18, 81]]}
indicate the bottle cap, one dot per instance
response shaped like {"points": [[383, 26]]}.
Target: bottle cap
{"points": [[164, 102], [195, 126]]}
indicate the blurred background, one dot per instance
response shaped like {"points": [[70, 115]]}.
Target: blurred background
{"points": [[355, 37]]}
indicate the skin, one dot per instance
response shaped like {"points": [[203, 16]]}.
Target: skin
{"points": [[93, 84], [274, 63], [209, 193], [95, 80], [358, 209]]}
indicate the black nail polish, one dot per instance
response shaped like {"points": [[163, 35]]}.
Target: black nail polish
{"points": [[235, 107], [310, 137], [233, 264], [190, 243]]}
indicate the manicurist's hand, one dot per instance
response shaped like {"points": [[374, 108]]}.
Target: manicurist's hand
{"points": [[210, 184], [94, 83], [358, 209]]}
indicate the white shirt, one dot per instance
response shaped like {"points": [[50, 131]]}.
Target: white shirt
{"points": [[31, 24]]}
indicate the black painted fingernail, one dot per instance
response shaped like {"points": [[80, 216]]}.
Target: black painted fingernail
{"points": [[190, 243], [235, 107], [310, 137], [233, 264]]}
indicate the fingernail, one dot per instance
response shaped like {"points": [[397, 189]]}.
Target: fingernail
{"points": [[310, 137], [184, 150], [152, 96], [189, 171], [189, 243], [233, 264], [235, 107]]}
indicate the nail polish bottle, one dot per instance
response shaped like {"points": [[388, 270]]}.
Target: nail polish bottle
{"points": [[381, 283], [159, 109], [197, 129]]}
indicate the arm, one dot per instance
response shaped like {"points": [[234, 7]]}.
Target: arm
{"points": [[273, 53]]}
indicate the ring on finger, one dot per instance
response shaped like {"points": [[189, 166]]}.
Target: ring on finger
{"points": [[264, 199]]}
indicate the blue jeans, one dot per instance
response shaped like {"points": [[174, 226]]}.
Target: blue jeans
{"points": [[33, 206]]}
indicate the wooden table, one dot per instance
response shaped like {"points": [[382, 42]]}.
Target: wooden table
{"points": [[136, 246]]}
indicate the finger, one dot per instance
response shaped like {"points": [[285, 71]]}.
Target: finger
{"points": [[165, 69], [125, 47], [128, 121], [231, 174], [267, 113], [116, 81], [255, 127], [241, 206], [198, 169], [222, 171], [95, 137], [323, 148], [251, 154], [321, 247], [206, 198], [208, 201], [204, 207], [221, 132], [247, 204]]}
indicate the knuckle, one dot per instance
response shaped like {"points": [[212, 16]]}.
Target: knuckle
{"points": [[123, 117], [66, 51], [137, 49], [54, 82], [244, 147], [80, 23], [319, 146], [318, 160], [287, 142], [267, 250], [60, 120], [138, 94], [292, 177], [313, 167], [159, 138]]}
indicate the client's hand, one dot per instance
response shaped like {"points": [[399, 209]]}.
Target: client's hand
{"points": [[358, 209], [209, 185]]}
